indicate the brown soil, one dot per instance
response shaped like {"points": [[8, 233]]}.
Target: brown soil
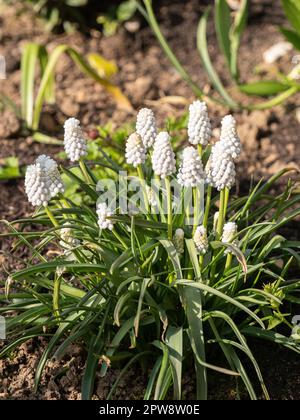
{"points": [[270, 140]]}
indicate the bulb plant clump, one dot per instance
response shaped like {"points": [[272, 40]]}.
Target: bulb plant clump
{"points": [[164, 265]]}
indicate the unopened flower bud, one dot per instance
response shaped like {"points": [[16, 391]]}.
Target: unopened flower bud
{"points": [[135, 151], [178, 240], [146, 127], [74, 141], [199, 126], [163, 158], [201, 240]]}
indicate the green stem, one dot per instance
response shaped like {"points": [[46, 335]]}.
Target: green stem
{"points": [[207, 206], [144, 186], [200, 150], [226, 201], [169, 201], [221, 215], [84, 171], [196, 208], [51, 217], [119, 238], [228, 262], [56, 293]]}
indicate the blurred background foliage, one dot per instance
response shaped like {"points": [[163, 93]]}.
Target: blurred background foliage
{"points": [[68, 15]]}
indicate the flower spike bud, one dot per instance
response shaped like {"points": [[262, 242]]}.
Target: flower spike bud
{"points": [[74, 141], [178, 240], [68, 241], [151, 196], [199, 126], [146, 126], [191, 169], [135, 151], [163, 158], [49, 166], [220, 170], [42, 181], [229, 232], [229, 138], [104, 212], [201, 240]]}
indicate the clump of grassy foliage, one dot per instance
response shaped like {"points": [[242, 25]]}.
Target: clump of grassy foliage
{"points": [[130, 295]]}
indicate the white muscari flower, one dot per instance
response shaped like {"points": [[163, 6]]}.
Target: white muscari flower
{"points": [[199, 126], [190, 172], [163, 158], [42, 181], [103, 213], [146, 126], [151, 196], [229, 139], [178, 240], [229, 232], [49, 166], [220, 170], [201, 240], [68, 241], [74, 141], [135, 151]]}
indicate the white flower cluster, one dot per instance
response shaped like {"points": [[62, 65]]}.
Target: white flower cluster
{"points": [[163, 158], [199, 126], [104, 213], [135, 151], [42, 181], [146, 127], [178, 240], [151, 196], [229, 232], [229, 139], [68, 241], [191, 169], [220, 170], [74, 141], [201, 240]]}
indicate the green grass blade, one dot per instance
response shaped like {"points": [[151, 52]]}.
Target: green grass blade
{"points": [[204, 54]]}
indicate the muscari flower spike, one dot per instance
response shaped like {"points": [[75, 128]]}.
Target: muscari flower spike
{"points": [[42, 181], [135, 151], [229, 139], [68, 241], [74, 141], [201, 240], [146, 126], [163, 158], [151, 196], [178, 240], [190, 172], [103, 213], [220, 169], [199, 126], [229, 232]]}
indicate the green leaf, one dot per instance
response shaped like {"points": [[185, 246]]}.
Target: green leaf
{"points": [[237, 29], [292, 36], [215, 292], [204, 54], [223, 24], [9, 168], [174, 341], [292, 11], [192, 302], [28, 68], [264, 88]]}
